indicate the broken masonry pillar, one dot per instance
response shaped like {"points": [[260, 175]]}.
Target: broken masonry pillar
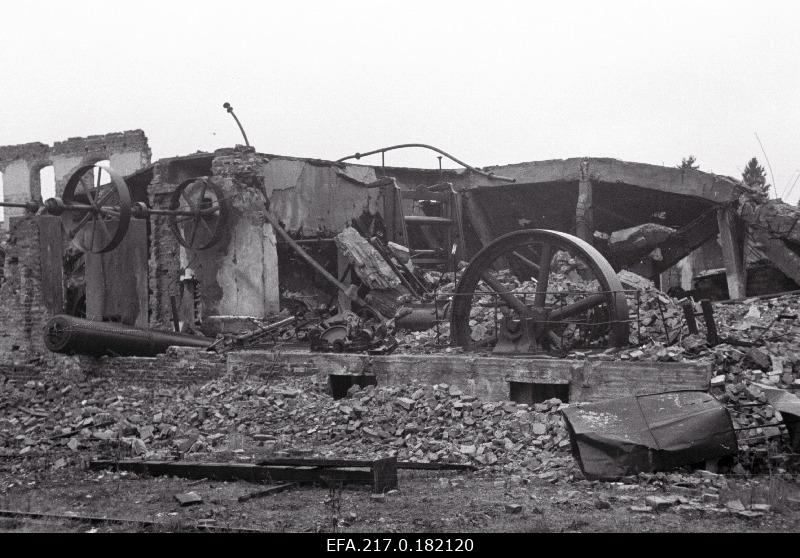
{"points": [[732, 238], [584, 213]]}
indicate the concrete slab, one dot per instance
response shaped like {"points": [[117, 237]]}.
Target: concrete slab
{"points": [[487, 377]]}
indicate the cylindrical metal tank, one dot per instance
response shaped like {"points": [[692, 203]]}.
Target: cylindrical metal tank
{"points": [[71, 335]]}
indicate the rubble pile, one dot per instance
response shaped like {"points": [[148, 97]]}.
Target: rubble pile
{"points": [[767, 353], [761, 435], [50, 424], [655, 317]]}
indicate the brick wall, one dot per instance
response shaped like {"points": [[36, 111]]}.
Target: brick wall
{"points": [[235, 170], [22, 310], [164, 258], [178, 366], [20, 164]]}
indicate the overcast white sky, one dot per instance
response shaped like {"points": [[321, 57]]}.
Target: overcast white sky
{"points": [[491, 82]]}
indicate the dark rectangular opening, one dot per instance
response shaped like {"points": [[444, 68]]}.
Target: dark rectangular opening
{"points": [[524, 392], [339, 384]]}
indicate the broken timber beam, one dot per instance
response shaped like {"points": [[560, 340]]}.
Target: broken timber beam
{"points": [[381, 474], [687, 239], [420, 466]]}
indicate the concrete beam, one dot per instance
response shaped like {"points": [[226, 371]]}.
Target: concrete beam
{"points": [[715, 188], [778, 253], [731, 236], [487, 377], [688, 239]]}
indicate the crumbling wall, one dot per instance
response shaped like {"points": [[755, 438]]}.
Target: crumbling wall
{"points": [[20, 164], [23, 312], [165, 251], [312, 197], [127, 152], [238, 275], [31, 290]]}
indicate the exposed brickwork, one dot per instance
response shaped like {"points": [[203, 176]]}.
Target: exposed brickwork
{"points": [[28, 151], [164, 261], [22, 310], [241, 164], [127, 151], [104, 145], [178, 366], [234, 169]]}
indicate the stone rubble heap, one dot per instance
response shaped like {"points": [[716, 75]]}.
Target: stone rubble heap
{"points": [[57, 421], [654, 316], [49, 424]]}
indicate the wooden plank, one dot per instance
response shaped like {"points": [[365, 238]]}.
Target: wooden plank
{"points": [[390, 202], [51, 245], [384, 474], [329, 463], [417, 195], [117, 281], [367, 262], [381, 474]]}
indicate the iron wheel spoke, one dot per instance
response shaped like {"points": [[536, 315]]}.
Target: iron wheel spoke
{"points": [[545, 259], [509, 297]]}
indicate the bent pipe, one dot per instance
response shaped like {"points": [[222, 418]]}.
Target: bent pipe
{"points": [[437, 150]]}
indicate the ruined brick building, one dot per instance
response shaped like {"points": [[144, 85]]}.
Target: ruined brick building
{"points": [[643, 217]]}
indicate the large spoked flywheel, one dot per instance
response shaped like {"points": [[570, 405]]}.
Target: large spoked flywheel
{"points": [[539, 291]]}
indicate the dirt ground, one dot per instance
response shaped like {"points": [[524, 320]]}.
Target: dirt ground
{"points": [[425, 502]]}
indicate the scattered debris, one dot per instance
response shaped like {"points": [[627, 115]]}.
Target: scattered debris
{"points": [[267, 492], [381, 474], [189, 499]]}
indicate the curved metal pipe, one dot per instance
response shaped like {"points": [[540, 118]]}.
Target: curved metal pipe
{"points": [[437, 150], [229, 108]]}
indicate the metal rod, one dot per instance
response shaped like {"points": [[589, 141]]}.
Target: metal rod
{"points": [[229, 108], [314, 263], [25, 205], [179, 213], [437, 150], [308, 241]]}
